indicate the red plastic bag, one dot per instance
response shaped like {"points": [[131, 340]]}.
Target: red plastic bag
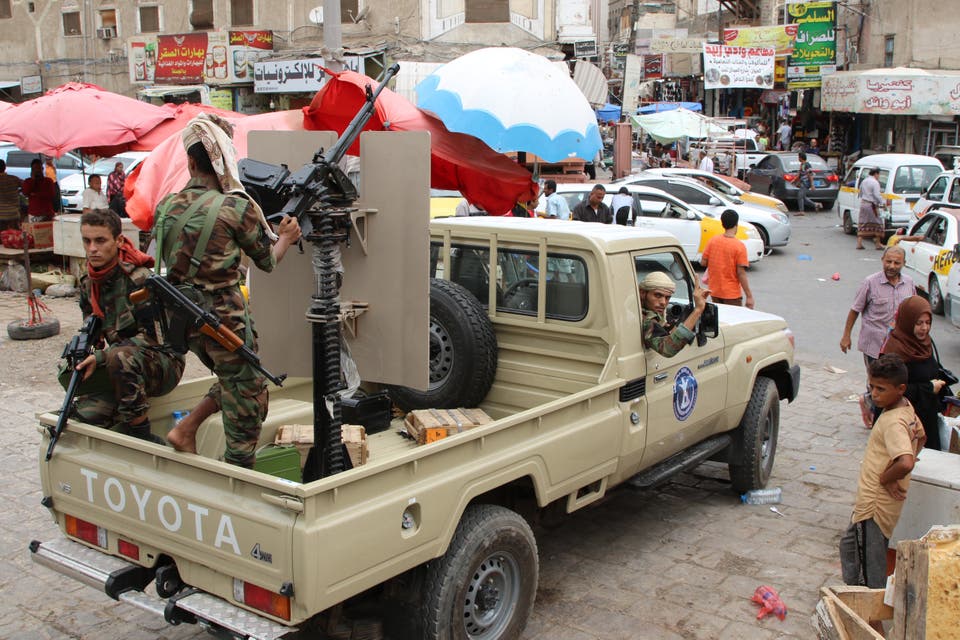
{"points": [[770, 602]]}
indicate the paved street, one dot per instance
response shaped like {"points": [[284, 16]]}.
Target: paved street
{"points": [[679, 562]]}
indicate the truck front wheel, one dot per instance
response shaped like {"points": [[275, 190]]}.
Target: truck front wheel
{"points": [[484, 586], [755, 440]]}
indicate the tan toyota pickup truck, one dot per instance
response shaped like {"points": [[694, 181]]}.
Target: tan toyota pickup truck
{"points": [[579, 406]]}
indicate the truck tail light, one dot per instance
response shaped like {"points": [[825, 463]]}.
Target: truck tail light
{"points": [[262, 599], [86, 531], [790, 337], [832, 177], [128, 549], [790, 177]]}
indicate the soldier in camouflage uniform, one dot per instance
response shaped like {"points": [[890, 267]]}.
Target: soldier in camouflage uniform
{"points": [[655, 291], [136, 365], [201, 232]]}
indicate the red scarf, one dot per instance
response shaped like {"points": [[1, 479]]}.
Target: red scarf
{"points": [[127, 254]]}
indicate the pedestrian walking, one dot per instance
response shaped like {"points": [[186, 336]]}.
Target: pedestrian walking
{"points": [[725, 258], [593, 208], [805, 183], [877, 299], [783, 136], [557, 206], [869, 224]]}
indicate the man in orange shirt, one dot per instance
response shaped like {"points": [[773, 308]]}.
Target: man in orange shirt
{"points": [[726, 260]]}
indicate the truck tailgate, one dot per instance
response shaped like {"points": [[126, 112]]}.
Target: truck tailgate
{"points": [[204, 515]]}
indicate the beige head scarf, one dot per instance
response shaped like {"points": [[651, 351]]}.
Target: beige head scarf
{"points": [[658, 280], [216, 134]]}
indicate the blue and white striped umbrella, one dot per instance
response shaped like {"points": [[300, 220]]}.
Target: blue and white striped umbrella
{"points": [[513, 100]]}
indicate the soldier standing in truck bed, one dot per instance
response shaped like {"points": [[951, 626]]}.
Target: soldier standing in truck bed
{"points": [[201, 233]]}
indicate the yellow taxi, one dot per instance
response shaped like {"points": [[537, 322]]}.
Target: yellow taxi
{"points": [[443, 203]]}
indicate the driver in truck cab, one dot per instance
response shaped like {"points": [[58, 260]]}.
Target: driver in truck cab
{"points": [[667, 340]]}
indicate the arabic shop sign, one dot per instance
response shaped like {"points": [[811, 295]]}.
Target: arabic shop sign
{"points": [[181, 58], [729, 67], [214, 57], [289, 76], [895, 92], [780, 37], [815, 50]]}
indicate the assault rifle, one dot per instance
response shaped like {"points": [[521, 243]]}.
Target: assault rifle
{"points": [[281, 193], [75, 352], [185, 314]]}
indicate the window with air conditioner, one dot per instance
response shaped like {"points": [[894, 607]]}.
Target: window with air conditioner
{"points": [[241, 13], [149, 18], [71, 23]]}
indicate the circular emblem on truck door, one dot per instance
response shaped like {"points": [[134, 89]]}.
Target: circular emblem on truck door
{"points": [[684, 393]]}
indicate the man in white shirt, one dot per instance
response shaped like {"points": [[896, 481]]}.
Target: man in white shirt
{"points": [[465, 208], [784, 133], [557, 206], [93, 198], [622, 205], [706, 164]]}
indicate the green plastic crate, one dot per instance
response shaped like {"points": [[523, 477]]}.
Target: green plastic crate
{"points": [[283, 462]]}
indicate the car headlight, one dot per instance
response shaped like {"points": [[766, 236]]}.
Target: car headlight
{"points": [[782, 219], [782, 207]]}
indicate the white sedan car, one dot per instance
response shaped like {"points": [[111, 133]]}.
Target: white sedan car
{"points": [[659, 210], [72, 186], [773, 226], [930, 252]]}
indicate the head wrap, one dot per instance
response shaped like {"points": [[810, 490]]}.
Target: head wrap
{"points": [[902, 340], [658, 280], [215, 134]]}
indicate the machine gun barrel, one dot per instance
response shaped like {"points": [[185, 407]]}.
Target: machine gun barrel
{"points": [[75, 352], [177, 304], [335, 153]]}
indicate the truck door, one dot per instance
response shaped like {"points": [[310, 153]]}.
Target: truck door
{"points": [[685, 393]]}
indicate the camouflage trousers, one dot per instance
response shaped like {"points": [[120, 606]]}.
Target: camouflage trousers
{"points": [[136, 372], [240, 392]]}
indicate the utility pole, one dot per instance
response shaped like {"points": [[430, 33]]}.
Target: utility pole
{"points": [[332, 35]]}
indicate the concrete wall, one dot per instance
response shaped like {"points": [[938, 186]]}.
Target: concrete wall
{"points": [[924, 34]]}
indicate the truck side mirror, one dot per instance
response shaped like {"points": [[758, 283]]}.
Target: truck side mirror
{"points": [[709, 322]]}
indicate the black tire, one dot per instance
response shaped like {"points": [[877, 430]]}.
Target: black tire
{"points": [[22, 330], [765, 237], [463, 352], [755, 440], [484, 586], [848, 227], [828, 205], [935, 295]]}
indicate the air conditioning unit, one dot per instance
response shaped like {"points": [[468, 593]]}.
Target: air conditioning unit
{"points": [[107, 33]]}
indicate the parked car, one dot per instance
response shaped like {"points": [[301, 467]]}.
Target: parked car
{"points": [[928, 260], [944, 191], [903, 178], [72, 186], [777, 174], [773, 226], [661, 211], [733, 187], [18, 161], [745, 151], [443, 202]]}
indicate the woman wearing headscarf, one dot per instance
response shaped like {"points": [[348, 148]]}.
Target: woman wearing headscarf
{"points": [[910, 339]]}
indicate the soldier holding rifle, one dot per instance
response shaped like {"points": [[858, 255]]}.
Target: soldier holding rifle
{"points": [[201, 232]]}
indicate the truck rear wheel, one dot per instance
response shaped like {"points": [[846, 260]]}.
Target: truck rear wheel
{"points": [[463, 352], [755, 440], [484, 586]]}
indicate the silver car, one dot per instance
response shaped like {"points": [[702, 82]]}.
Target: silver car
{"points": [[773, 226]]}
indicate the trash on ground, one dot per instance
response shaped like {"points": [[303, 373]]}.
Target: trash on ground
{"points": [[770, 602], [804, 256], [833, 369]]}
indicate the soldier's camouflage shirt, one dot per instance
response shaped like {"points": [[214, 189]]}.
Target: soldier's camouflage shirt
{"points": [[123, 320], [657, 337], [237, 230]]}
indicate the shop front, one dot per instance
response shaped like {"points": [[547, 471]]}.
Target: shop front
{"points": [[209, 67]]}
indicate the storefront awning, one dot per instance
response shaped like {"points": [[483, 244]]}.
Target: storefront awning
{"points": [[899, 91], [9, 84]]}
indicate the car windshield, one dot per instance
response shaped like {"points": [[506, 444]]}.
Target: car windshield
{"points": [[792, 163], [104, 166], [444, 193], [914, 179]]}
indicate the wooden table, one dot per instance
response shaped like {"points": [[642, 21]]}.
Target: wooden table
{"points": [[17, 254]]}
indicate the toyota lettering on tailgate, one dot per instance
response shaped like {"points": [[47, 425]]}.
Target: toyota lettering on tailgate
{"points": [[174, 515]]}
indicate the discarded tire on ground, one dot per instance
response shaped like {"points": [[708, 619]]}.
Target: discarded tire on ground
{"points": [[22, 329], [463, 352]]}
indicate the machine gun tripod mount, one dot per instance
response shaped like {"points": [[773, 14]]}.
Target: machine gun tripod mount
{"points": [[321, 197]]}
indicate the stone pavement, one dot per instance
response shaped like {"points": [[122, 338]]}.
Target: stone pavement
{"points": [[679, 562]]}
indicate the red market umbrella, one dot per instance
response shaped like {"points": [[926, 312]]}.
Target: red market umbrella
{"points": [[458, 161], [180, 114], [165, 169], [78, 116]]}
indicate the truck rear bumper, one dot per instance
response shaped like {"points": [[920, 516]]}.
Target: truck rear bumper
{"points": [[124, 581]]}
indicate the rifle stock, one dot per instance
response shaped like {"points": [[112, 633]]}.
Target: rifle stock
{"points": [[75, 352]]}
